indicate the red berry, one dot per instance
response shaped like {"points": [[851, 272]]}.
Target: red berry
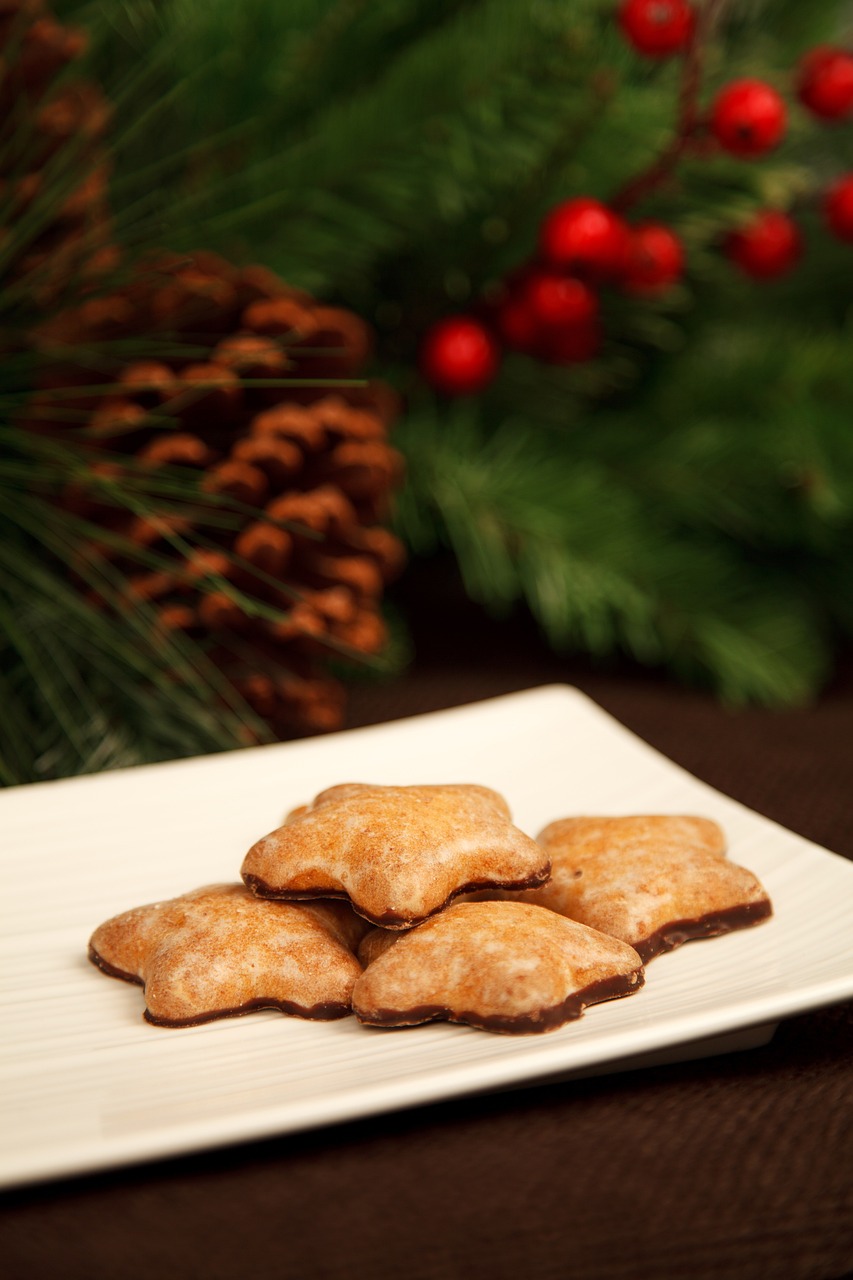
{"points": [[584, 237], [825, 82], [838, 208], [655, 258], [767, 247], [556, 301], [748, 117], [657, 28], [459, 356]]}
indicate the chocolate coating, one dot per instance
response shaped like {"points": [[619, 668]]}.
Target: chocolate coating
{"points": [[521, 1024], [220, 952], [319, 1012], [399, 854], [391, 919], [678, 932], [497, 965], [655, 881]]}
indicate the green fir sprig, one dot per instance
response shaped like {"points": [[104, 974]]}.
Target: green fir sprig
{"points": [[90, 679], [687, 497], [602, 569]]}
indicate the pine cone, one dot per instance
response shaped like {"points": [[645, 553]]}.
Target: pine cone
{"points": [[230, 392], [53, 165], [304, 472]]}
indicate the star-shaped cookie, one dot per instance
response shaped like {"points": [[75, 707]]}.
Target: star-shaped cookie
{"points": [[654, 881], [499, 966], [399, 853], [219, 951]]}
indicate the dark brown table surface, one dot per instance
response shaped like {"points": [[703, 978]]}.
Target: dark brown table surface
{"points": [[735, 1166]]}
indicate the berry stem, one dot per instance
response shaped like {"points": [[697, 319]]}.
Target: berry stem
{"points": [[688, 119]]}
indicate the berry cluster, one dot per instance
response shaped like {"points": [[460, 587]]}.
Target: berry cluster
{"points": [[772, 243], [550, 307]]}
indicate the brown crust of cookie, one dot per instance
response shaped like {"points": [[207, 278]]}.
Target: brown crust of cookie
{"points": [[318, 1013], [400, 854], [220, 952], [542, 1020], [678, 932], [110, 969], [500, 966], [654, 880], [388, 919]]}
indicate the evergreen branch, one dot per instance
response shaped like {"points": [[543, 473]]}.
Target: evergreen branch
{"points": [[687, 117], [529, 524], [121, 694]]}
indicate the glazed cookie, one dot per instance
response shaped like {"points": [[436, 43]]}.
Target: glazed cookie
{"points": [[499, 966], [398, 853], [220, 951], [653, 881], [374, 942]]}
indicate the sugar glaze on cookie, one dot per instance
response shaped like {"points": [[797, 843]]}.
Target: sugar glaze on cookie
{"points": [[498, 966], [655, 881], [220, 952], [398, 853]]}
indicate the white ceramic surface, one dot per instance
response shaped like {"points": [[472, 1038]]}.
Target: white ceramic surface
{"points": [[85, 1083]]}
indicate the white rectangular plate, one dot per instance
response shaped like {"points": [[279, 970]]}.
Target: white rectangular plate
{"points": [[87, 1084]]}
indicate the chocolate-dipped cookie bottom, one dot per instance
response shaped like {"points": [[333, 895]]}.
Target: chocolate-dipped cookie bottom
{"points": [[538, 1021]]}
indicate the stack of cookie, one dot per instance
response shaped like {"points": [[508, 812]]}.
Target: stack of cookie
{"points": [[404, 904]]}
